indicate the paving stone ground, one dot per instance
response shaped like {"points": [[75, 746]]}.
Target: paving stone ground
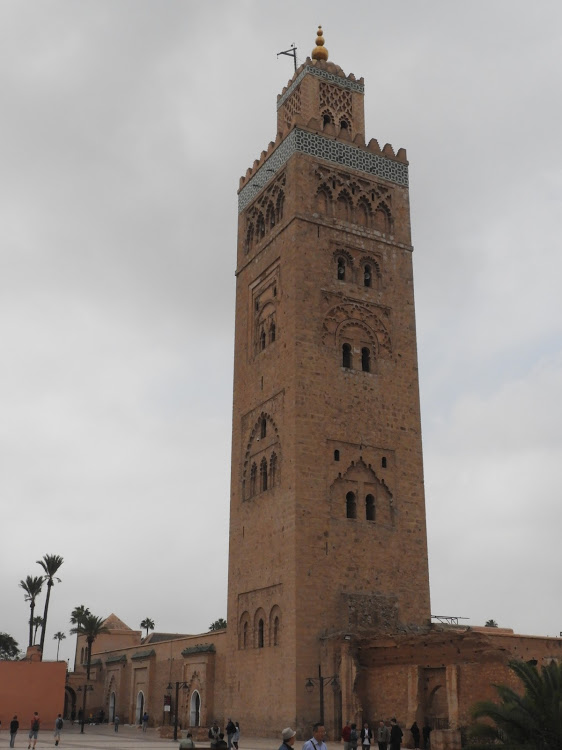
{"points": [[128, 737]]}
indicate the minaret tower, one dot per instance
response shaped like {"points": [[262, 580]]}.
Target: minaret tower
{"points": [[327, 517]]}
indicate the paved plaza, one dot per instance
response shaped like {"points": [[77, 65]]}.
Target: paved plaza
{"points": [[105, 738]]}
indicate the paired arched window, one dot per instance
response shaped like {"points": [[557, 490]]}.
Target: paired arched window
{"points": [[266, 630], [346, 356], [350, 505], [263, 474], [365, 359]]}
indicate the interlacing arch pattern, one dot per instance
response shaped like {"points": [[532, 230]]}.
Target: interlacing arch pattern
{"points": [[292, 107], [265, 213], [263, 630], [336, 102], [351, 199], [261, 463], [364, 316]]}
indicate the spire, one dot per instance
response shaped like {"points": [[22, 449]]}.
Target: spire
{"points": [[319, 52]]}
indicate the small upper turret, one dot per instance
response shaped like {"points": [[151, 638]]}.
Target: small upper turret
{"points": [[320, 90]]}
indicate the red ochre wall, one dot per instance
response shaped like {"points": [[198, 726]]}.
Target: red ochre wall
{"points": [[28, 686]]}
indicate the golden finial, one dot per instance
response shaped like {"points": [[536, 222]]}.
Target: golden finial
{"points": [[319, 52]]}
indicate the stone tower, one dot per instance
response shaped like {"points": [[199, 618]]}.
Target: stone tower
{"points": [[327, 517]]}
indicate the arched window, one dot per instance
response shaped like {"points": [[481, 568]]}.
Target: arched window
{"points": [[260, 634], [262, 340], [280, 202], [346, 356], [253, 475], [249, 238], [336, 455], [367, 276], [365, 359], [350, 505], [370, 508], [263, 475], [272, 469], [344, 125], [276, 631], [341, 269], [272, 332], [260, 227], [327, 119], [383, 462], [195, 709], [263, 427], [245, 635]]}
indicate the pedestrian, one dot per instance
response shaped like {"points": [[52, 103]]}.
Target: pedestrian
{"points": [[58, 726], [415, 730], [396, 735], [366, 735], [34, 729], [236, 738], [383, 735], [316, 742], [214, 734], [230, 729], [345, 735], [116, 723], [73, 715], [187, 743], [288, 736], [426, 731], [144, 721], [353, 737], [14, 726]]}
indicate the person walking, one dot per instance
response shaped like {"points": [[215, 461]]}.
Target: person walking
{"points": [[415, 730], [230, 729], [345, 735], [34, 730], [366, 736], [116, 724], [288, 736], [58, 726], [144, 721], [316, 742], [396, 735], [353, 737], [236, 738], [14, 726], [426, 731], [383, 735]]}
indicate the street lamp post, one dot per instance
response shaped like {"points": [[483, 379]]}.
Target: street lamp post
{"points": [[178, 684], [311, 681], [85, 690]]}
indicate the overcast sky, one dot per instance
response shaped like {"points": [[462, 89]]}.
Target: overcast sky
{"points": [[124, 129]]}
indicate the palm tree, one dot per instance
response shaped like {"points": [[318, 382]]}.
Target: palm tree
{"points": [[78, 614], [37, 622], [59, 636], [32, 587], [219, 624], [490, 624], [89, 626], [532, 720], [50, 564], [148, 624]]}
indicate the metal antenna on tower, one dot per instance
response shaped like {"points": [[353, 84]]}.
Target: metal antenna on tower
{"points": [[291, 52]]}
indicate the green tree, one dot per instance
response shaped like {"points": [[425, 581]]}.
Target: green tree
{"points": [[90, 626], [531, 721], [148, 624], [59, 636], [9, 648], [51, 565], [32, 587], [490, 624], [37, 622], [219, 624], [78, 614]]}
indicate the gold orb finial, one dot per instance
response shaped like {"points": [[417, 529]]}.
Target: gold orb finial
{"points": [[319, 52]]}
